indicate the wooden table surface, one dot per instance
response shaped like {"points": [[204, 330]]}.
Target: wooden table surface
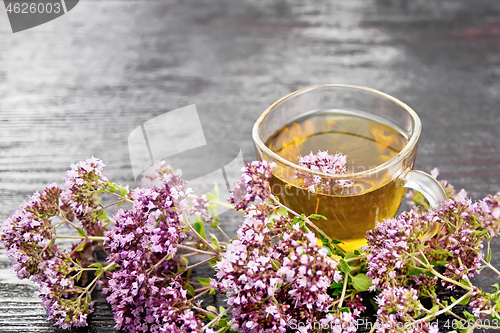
{"points": [[77, 86]]}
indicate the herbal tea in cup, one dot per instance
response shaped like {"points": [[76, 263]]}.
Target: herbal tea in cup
{"points": [[378, 136]]}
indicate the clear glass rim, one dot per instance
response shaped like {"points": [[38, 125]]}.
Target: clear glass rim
{"points": [[408, 148]]}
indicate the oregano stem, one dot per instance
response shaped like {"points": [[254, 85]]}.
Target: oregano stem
{"points": [[490, 266], [344, 288], [448, 308], [94, 238], [216, 319]]}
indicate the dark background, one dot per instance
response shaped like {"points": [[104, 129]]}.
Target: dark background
{"points": [[77, 86]]}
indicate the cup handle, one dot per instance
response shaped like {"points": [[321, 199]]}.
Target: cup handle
{"points": [[425, 184]]}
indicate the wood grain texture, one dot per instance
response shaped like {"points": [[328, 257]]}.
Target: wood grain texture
{"points": [[80, 84]]}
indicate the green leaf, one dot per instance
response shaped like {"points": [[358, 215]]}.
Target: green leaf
{"points": [[317, 217], [212, 309], [213, 210], [439, 263], [185, 260], [205, 282], [349, 255], [434, 309], [282, 211], [199, 227], [336, 285], [221, 309], [374, 304], [81, 246], [488, 258], [356, 252], [416, 272], [81, 232], [344, 266], [223, 324], [215, 242], [483, 233], [465, 301], [210, 316], [420, 200], [52, 241], [211, 291], [337, 292], [96, 265], [210, 196], [458, 324], [275, 264], [469, 316], [190, 289], [102, 215], [123, 191], [361, 282], [339, 252], [215, 223], [216, 191]]}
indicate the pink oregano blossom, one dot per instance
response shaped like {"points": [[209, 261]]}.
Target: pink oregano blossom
{"points": [[326, 163], [269, 283]]}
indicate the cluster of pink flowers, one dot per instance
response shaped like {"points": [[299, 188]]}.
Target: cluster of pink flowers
{"points": [[397, 310], [200, 208], [80, 192], [390, 244], [425, 284], [326, 163], [29, 231], [463, 237], [392, 241], [145, 293], [61, 293], [480, 301], [491, 214], [270, 283], [30, 240], [253, 186], [161, 175]]}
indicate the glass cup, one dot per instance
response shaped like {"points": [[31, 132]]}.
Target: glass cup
{"points": [[380, 131]]}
